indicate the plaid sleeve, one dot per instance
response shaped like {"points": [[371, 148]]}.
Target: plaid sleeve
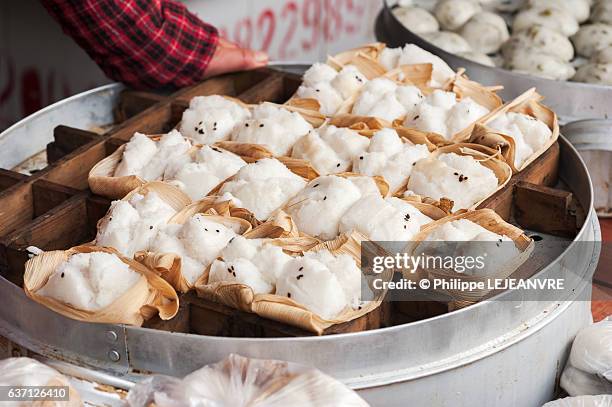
{"points": [[146, 44]]}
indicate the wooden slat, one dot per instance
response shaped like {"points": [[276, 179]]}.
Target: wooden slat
{"points": [[70, 138], [229, 84], [545, 209], [209, 318], [9, 178], [47, 195], [16, 207], [97, 207], [133, 102], [180, 322], [62, 227], [73, 169], [271, 89], [542, 171], [291, 84], [154, 120]]}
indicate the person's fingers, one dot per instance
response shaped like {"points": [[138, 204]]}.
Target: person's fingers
{"points": [[227, 43], [230, 59]]}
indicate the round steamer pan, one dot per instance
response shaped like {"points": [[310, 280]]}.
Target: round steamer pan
{"points": [[503, 353], [571, 100]]}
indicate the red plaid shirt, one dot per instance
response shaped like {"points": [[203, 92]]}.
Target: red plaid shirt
{"points": [[146, 44]]}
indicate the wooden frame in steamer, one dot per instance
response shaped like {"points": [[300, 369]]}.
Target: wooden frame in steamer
{"points": [[54, 209]]}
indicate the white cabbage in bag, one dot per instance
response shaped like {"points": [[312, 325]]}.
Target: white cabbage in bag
{"points": [[18, 372], [589, 368], [239, 382], [582, 401]]}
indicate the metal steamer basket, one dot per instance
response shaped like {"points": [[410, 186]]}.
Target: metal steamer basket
{"points": [[570, 100], [502, 353]]}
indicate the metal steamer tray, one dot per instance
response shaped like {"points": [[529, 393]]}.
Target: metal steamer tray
{"points": [[501, 353], [570, 100]]}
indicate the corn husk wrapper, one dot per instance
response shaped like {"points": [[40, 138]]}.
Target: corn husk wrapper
{"points": [[283, 309], [462, 86], [430, 207], [367, 126], [168, 265], [528, 103], [485, 156], [171, 195], [307, 108], [371, 51], [151, 295], [103, 182], [488, 219]]}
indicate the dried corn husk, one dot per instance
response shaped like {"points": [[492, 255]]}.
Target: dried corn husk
{"points": [[103, 182], [371, 51], [367, 126], [528, 103], [283, 309], [430, 207], [417, 75], [170, 194], [151, 295], [488, 219], [486, 156], [168, 265]]}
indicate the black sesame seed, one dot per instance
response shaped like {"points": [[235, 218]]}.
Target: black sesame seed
{"points": [[217, 230], [111, 218], [300, 276], [232, 267], [407, 217], [195, 128], [206, 229], [150, 227], [201, 122], [317, 90], [359, 307], [456, 173], [288, 295], [62, 275], [201, 131], [246, 125], [338, 165], [315, 185], [261, 125], [405, 227], [361, 158], [234, 273], [324, 198], [416, 117], [414, 163], [215, 124], [301, 268], [232, 239], [229, 270]]}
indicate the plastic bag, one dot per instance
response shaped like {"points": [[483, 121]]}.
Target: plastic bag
{"points": [[589, 368], [582, 401], [238, 381], [17, 372]]}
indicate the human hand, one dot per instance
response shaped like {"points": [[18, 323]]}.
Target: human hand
{"points": [[229, 57]]}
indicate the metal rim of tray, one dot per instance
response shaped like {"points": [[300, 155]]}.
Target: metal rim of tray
{"points": [[571, 100], [125, 351]]}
